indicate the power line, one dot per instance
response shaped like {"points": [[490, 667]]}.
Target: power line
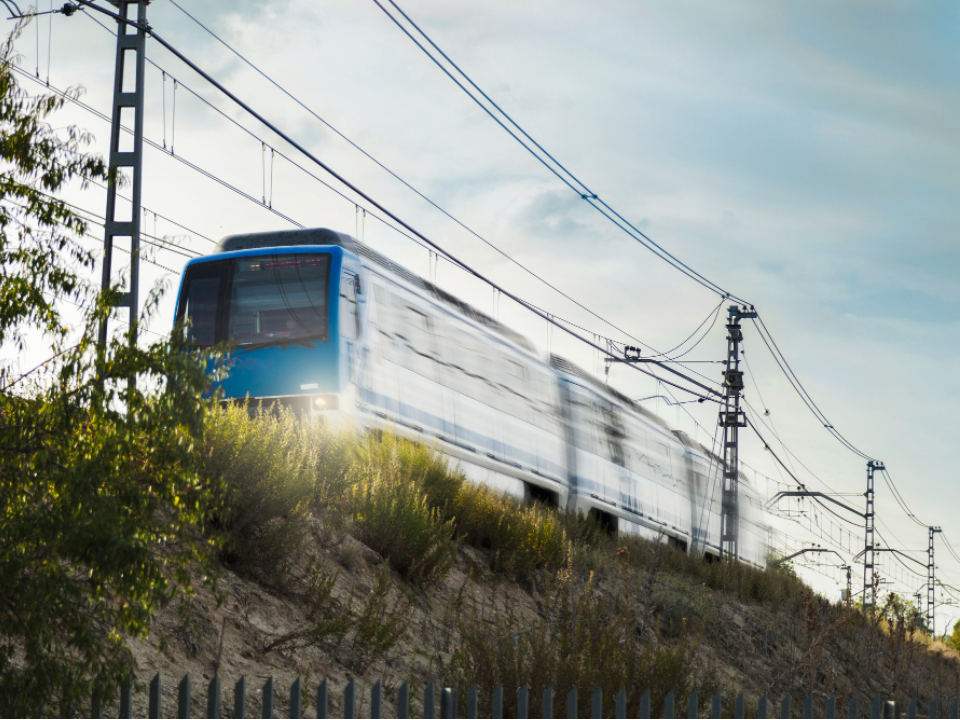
{"points": [[396, 176], [583, 191]]}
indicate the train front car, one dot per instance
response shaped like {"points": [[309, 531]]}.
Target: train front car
{"points": [[288, 304]]}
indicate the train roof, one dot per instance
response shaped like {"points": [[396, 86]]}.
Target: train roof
{"points": [[286, 238]]}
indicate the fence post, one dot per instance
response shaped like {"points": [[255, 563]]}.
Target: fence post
{"points": [[296, 699], [240, 698], [183, 697], [645, 704], [323, 699], [762, 707], [156, 687], [875, 708], [213, 697], [932, 709], [126, 698], [266, 706], [738, 706], [622, 705], [376, 701], [854, 711], [350, 699], [668, 706], [831, 707], [954, 709], [472, 702], [403, 701], [429, 703], [523, 702], [496, 703], [693, 705], [912, 708], [96, 707], [572, 703], [548, 703], [717, 705], [445, 704], [785, 707], [597, 704], [808, 706]]}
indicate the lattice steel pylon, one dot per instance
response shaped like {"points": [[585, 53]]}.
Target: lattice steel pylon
{"points": [[131, 47], [869, 534], [931, 581], [731, 420]]}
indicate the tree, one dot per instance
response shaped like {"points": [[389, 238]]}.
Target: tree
{"points": [[953, 640], [101, 506]]}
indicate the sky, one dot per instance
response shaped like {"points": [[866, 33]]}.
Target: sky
{"points": [[804, 156]]}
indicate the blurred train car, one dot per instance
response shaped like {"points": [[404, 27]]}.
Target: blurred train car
{"points": [[328, 326]]}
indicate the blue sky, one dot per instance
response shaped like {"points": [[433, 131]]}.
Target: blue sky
{"points": [[805, 155]]}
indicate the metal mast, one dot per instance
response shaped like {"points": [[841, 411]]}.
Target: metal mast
{"points": [[931, 580], [869, 550], [127, 109], [731, 420]]}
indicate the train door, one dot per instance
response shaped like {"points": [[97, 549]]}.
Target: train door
{"points": [[349, 327], [616, 478]]}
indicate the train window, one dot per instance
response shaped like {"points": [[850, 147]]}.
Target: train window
{"points": [[348, 307], [200, 301], [278, 297]]}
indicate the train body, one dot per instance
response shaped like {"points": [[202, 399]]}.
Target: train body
{"points": [[327, 325]]}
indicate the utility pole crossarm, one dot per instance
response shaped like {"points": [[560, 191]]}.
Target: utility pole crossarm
{"points": [[804, 551], [811, 493]]}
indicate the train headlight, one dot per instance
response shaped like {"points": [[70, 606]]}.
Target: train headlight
{"points": [[319, 403]]}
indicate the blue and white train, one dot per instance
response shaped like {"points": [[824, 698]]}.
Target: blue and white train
{"points": [[329, 326]]}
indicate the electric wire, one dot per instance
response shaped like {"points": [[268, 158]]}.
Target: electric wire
{"points": [[392, 173], [583, 191], [353, 188]]}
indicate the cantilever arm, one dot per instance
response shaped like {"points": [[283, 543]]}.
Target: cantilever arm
{"points": [[811, 493]]}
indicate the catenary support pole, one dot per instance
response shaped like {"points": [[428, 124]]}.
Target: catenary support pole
{"points": [[731, 420], [128, 92], [931, 581], [869, 549]]}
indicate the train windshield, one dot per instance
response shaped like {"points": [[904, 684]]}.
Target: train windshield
{"points": [[254, 301]]}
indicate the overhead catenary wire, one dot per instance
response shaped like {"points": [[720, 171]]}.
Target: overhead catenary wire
{"points": [[353, 188], [391, 172], [567, 178]]}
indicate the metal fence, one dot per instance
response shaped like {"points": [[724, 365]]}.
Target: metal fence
{"points": [[444, 702]]}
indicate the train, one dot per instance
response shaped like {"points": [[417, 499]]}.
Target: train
{"points": [[325, 324]]}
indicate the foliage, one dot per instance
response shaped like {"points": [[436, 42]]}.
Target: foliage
{"points": [[98, 482], [953, 640]]}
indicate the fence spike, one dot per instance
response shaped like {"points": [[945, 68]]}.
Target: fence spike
{"points": [[523, 702], [183, 697], [875, 708], [932, 709], [785, 707], [762, 707], [472, 702], [429, 702], [403, 701], [445, 704], [693, 705], [853, 711], [645, 704], [126, 698], [156, 688], [955, 708], [376, 701], [323, 699], [831, 707], [96, 707], [668, 706], [717, 705], [572, 703], [738, 706], [496, 703], [808, 706], [296, 698], [597, 703], [548, 703], [912, 708], [267, 705], [622, 705], [213, 697], [240, 698], [350, 699]]}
